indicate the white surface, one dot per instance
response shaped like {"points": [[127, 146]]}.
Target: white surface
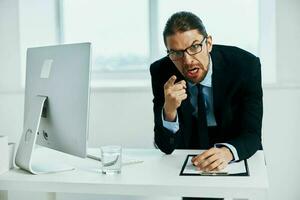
{"points": [[4, 160], [10, 71], [158, 175], [267, 41], [95, 153]]}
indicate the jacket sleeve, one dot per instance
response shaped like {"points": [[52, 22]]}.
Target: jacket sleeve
{"points": [[249, 139], [164, 139]]}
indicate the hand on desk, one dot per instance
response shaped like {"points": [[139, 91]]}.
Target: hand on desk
{"points": [[213, 159]]}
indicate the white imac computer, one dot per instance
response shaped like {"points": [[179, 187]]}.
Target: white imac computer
{"points": [[56, 104]]}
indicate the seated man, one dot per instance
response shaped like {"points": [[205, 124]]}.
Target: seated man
{"points": [[206, 96]]}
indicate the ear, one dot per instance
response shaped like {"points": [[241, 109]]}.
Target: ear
{"points": [[209, 43]]}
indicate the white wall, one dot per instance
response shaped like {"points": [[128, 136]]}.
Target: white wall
{"points": [[122, 117], [288, 49], [38, 27], [10, 72], [113, 112], [281, 137]]}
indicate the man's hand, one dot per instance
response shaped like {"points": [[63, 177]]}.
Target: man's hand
{"points": [[175, 93], [213, 159]]}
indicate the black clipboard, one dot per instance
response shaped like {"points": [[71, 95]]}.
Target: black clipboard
{"points": [[182, 173]]}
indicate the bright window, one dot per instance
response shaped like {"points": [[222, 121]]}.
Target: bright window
{"points": [[230, 22], [118, 31], [127, 34]]}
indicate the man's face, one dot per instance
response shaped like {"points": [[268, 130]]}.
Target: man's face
{"points": [[193, 67]]}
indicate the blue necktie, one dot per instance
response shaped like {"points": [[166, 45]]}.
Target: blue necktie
{"points": [[202, 121]]}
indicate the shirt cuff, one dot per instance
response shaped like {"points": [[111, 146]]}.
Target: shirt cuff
{"points": [[231, 148], [171, 126]]}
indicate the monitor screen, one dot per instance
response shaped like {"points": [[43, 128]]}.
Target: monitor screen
{"points": [[62, 74]]}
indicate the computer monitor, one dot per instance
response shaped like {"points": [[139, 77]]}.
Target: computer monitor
{"points": [[56, 102]]}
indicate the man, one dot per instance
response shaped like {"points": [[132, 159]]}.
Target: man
{"points": [[206, 96]]}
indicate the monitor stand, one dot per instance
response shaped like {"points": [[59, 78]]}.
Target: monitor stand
{"points": [[26, 149]]}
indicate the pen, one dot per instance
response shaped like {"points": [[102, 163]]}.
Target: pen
{"points": [[131, 162], [214, 173]]}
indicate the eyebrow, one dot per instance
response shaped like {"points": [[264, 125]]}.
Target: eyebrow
{"points": [[187, 47]]}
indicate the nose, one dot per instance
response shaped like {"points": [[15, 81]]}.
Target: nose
{"points": [[187, 59]]}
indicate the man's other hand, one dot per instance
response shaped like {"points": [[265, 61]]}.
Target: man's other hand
{"points": [[174, 93], [214, 159]]}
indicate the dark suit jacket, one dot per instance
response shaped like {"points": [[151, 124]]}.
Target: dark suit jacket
{"points": [[237, 99]]}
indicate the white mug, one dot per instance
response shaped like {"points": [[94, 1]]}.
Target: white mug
{"points": [[11, 154], [4, 160]]}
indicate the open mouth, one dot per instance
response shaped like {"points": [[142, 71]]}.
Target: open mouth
{"points": [[193, 72]]}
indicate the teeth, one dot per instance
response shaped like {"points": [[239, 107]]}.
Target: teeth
{"points": [[193, 70]]}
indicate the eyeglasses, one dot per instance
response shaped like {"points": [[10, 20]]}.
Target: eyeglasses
{"points": [[191, 50]]}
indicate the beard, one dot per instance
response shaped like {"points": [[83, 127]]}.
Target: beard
{"points": [[195, 72]]}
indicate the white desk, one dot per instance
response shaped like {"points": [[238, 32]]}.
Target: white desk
{"points": [[158, 175]]}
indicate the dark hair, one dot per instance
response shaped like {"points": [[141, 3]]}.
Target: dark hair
{"points": [[181, 22]]}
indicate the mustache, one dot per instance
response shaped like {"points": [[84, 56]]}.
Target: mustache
{"points": [[193, 66]]}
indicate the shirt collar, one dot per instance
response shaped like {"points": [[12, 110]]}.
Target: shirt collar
{"points": [[207, 80]]}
